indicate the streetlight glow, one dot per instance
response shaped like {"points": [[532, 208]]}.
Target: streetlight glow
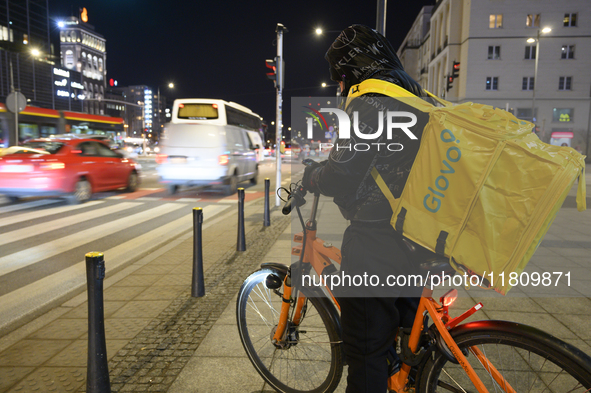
{"points": [[35, 52], [318, 31], [171, 85], [546, 30], [531, 40], [323, 84]]}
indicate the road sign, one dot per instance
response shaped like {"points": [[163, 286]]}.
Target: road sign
{"points": [[16, 102]]}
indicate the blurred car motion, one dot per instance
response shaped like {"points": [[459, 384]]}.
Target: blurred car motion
{"points": [[70, 167], [135, 146]]}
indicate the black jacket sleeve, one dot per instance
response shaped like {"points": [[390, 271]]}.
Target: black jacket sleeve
{"points": [[351, 160]]}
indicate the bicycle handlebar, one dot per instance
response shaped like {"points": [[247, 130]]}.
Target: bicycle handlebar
{"points": [[299, 193], [295, 199]]}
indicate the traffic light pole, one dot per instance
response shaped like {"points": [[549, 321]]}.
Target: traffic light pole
{"points": [[278, 132]]}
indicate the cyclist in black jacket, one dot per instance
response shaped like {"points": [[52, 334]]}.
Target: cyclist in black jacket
{"points": [[370, 316]]}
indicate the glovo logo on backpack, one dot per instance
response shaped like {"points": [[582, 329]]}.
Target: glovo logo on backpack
{"points": [[432, 202]]}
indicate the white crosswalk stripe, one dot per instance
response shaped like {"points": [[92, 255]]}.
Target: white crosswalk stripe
{"points": [[28, 205], [15, 219], [29, 256], [39, 229]]}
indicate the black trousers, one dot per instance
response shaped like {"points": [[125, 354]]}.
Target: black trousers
{"points": [[370, 323]]}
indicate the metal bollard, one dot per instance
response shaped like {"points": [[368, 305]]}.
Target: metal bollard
{"points": [[198, 287], [267, 216], [241, 242], [97, 368]]}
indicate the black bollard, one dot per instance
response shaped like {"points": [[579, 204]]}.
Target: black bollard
{"points": [[267, 216], [198, 287], [97, 368], [241, 242]]}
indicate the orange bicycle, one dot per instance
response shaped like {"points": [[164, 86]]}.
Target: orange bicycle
{"points": [[291, 333]]}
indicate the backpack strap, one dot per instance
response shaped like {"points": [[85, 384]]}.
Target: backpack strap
{"points": [[390, 197], [392, 90]]}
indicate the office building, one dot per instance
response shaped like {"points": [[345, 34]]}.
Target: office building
{"points": [[497, 45], [83, 50]]}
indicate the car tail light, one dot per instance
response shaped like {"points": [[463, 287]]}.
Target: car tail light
{"points": [[51, 165], [223, 159], [161, 158]]}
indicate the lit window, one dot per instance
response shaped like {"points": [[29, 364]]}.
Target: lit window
{"points": [[568, 52], [495, 21], [494, 52], [564, 83], [492, 82], [533, 20], [570, 20], [69, 60], [530, 52], [562, 115], [528, 83]]}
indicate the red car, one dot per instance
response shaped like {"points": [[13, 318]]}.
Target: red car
{"points": [[74, 168]]}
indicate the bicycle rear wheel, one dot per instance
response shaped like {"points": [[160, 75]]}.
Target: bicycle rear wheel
{"points": [[528, 359], [310, 360]]}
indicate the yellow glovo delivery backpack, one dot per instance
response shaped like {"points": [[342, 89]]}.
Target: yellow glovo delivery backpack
{"points": [[483, 189]]}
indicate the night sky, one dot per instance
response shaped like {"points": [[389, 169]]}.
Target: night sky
{"points": [[217, 49]]}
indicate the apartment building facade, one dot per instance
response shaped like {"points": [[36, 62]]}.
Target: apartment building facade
{"points": [[497, 45]]}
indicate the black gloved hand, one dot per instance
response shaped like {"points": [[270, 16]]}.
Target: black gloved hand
{"points": [[311, 175]]}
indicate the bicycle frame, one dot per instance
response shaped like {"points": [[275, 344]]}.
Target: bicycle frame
{"points": [[318, 255]]}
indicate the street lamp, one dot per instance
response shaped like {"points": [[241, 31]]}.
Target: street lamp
{"points": [[319, 31], [545, 30]]}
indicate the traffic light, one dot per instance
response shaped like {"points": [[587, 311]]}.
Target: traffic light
{"points": [[456, 69], [272, 75], [450, 80], [276, 71]]}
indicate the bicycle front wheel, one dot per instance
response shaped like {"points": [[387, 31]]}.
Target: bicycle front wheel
{"points": [[528, 360], [310, 359]]}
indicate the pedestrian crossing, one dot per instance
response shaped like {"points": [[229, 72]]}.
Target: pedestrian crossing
{"points": [[43, 243], [160, 194]]}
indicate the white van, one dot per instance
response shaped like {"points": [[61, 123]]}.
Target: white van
{"points": [[257, 141], [207, 144]]}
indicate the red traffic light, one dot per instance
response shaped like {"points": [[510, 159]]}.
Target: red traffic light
{"points": [[450, 80], [456, 69], [273, 66]]}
